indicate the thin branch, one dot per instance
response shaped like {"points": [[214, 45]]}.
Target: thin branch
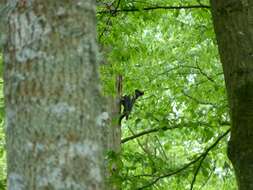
{"points": [[147, 132], [162, 148], [199, 101], [208, 178], [205, 74], [197, 68], [113, 12], [156, 8], [197, 170], [105, 28], [187, 165], [142, 147], [165, 128], [117, 6], [139, 143]]}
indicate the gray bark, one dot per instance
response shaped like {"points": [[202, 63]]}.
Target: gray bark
{"points": [[53, 105], [114, 136], [233, 22]]}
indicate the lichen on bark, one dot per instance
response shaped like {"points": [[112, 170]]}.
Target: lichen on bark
{"points": [[53, 102]]}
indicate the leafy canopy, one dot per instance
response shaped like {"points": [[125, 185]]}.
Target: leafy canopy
{"points": [[175, 137]]}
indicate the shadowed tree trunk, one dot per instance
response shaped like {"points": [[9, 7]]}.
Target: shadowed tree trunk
{"points": [[233, 22], [53, 104], [113, 137]]}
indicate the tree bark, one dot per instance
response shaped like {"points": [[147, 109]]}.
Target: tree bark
{"points": [[53, 104], [233, 23], [113, 143]]}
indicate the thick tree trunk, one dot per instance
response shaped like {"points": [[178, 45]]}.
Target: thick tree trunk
{"points": [[53, 105], [233, 22]]}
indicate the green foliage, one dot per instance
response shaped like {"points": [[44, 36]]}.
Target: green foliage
{"points": [[2, 136], [172, 56]]}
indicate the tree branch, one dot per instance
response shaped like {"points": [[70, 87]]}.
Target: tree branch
{"points": [[208, 177], [199, 101], [156, 8], [165, 128], [197, 170]]}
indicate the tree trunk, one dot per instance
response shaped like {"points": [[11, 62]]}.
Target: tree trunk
{"points": [[233, 22], [113, 144], [53, 104]]}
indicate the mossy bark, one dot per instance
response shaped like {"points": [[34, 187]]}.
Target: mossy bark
{"points": [[233, 23]]}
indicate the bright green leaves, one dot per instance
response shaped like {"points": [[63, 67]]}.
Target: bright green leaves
{"points": [[2, 136], [172, 56]]}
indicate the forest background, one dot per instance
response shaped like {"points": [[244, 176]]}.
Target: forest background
{"points": [[176, 135]]}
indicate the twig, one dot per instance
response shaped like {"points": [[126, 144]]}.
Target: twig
{"points": [[205, 74], [142, 147], [113, 12], [105, 28], [197, 68], [199, 101], [162, 148]]}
